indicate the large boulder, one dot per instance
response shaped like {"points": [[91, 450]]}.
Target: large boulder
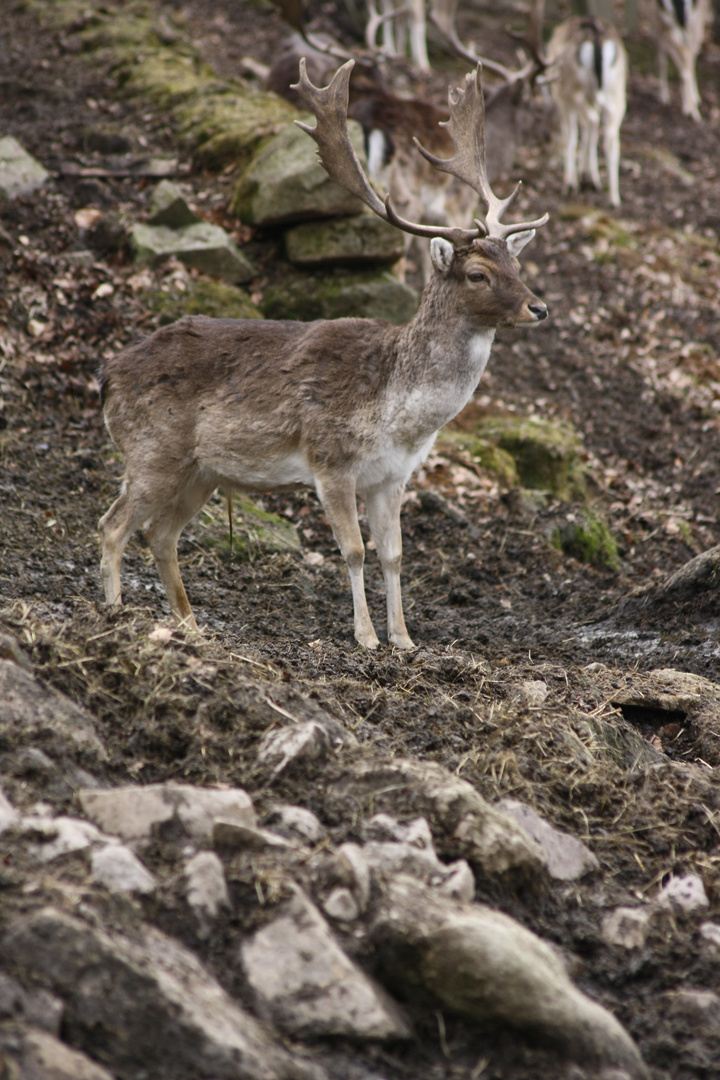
{"points": [[362, 238]]}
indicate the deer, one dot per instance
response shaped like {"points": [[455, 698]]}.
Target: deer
{"points": [[680, 28], [347, 406], [587, 66]]}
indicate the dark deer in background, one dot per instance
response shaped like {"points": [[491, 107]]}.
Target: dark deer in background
{"points": [[344, 406], [680, 31]]}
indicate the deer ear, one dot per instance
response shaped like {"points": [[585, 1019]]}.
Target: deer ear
{"points": [[442, 254], [517, 241]]}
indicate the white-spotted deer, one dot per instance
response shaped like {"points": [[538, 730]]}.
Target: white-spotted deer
{"points": [[344, 406], [680, 31], [588, 66]]}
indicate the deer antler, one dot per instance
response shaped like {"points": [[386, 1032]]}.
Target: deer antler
{"points": [[465, 126], [442, 14]]}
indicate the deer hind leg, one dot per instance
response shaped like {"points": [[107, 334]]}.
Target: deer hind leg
{"points": [[383, 511], [337, 496], [612, 160], [570, 140], [162, 531], [663, 75], [589, 149], [116, 527]]}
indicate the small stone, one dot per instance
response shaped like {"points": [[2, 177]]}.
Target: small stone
{"points": [[710, 932], [534, 692], [118, 868], [169, 207], [300, 742], [8, 814], [684, 894], [207, 889], [342, 905], [133, 811], [38, 1055], [20, 173], [297, 823], [459, 883], [353, 866], [567, 857], [696, 1007], [307, 985], [58, 836], [204, 246], [233, 834], [627, 926]]}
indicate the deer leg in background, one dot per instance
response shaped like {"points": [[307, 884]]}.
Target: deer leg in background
{"points": [[123, 518], [663, 76], [689, 93], [337, 495], [383, 511], [162, 534], [570, 140], [589, 148], [611, 138]]}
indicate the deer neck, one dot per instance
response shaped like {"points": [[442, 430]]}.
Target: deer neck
{"points": [[442, 355]]}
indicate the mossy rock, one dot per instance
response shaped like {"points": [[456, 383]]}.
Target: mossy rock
{"points": [[204, 297], [362, 238], [340, 295], [547, 454], [256, 531], [586, 536], [230, 127], [484, 453]]}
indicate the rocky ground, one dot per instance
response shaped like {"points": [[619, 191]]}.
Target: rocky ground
{"points": [[262, 852]]}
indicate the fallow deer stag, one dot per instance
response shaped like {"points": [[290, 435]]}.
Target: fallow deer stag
{"points": [[588, 61], [344, 406]]}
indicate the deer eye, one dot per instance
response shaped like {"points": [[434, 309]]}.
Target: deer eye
{"points": [[476, 275]]}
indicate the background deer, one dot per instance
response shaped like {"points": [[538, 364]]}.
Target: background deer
{"points": [[588, 75], [680, 31], [344, 406]]}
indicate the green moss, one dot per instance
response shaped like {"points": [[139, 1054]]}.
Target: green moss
{"points": [[587, 537], [204, 297], [255, 531], [231, 125], [484, 453], [338, 295], [547, 454]]}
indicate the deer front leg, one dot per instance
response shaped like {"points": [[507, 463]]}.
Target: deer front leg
{"points": [[663, 76], [383, 511], [570, 139], [337, 495]]}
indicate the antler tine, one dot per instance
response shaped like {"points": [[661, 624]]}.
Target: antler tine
{"points": [[466, 128], [337, 154], [336, 151]]}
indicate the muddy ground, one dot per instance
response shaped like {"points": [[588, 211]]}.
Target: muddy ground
{"points": [[630, 356]]}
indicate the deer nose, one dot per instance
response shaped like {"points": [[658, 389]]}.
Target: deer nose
{"points": [[540, 311]]}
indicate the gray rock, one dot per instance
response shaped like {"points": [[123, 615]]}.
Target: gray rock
{"points": [[307, 985], [35, 1007], [297, 823], [20, 173], [52, 837], [207, 890], [369, 294], [169, 207], [235, 835], [362, 238], [627, 926], [567, 857], [710, 933], [119, 870], [286, 183], [341, 905], [38, 1055], [148, 1001], [699, 1008], [8, 814], [683, 895], [132, 812], [36, 716], [487, 967], [478, 831], [459, 882], [204, 246], [309, 741], [353, 869]]}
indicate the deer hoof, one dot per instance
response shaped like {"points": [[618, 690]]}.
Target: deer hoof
{"points": [[402, 641]]}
